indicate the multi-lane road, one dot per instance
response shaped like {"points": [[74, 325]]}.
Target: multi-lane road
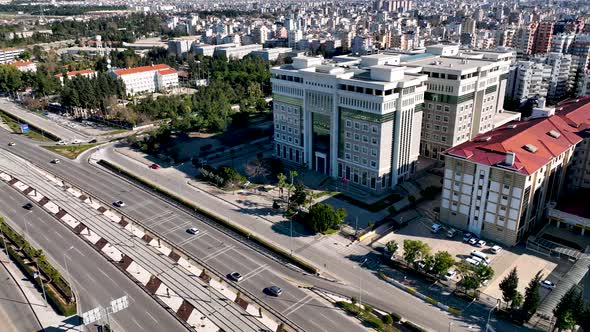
{"points": [[227, 253], [96, 281]]}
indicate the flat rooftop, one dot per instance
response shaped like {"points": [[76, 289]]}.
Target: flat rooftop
{"points": [[447, 63]]}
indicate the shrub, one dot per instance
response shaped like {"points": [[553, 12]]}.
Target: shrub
{"points": [[413, 327], [386, 319], [396, 317], [368, 308]]}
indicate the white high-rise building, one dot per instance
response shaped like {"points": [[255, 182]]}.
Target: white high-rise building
{"points": [[528, 79], [294, 36], [464, 97], [360, 123]]}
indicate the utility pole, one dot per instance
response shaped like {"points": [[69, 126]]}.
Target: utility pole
{"points": [[361, 285]]}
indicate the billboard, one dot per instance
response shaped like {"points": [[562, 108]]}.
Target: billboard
{"points": [[24, 128]]}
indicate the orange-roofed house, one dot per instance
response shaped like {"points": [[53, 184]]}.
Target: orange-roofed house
{"points": [[25, 66], [147, 79], [499, 184], [88, 73]]}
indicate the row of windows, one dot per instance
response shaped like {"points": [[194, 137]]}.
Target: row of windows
{"points": [[359, 160], [437, 117], [442, 75], [440, 87], [321, 85], [357, 148], [367, 91], [358, 137], [286, 138], [354, 102], [364, 178], [287, 89], [435, 137], [364, 126], [288, 129], [289, 78], [437, 127]]}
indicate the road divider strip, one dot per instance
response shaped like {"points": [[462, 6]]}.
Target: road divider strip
{"points": [[185, 311]]}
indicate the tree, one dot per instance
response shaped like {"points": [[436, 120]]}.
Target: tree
{"points": [[509, 285], [322, 217], [532, 298], [484, 272], [391, 247], [299, 196], [516, 301], [290, 186], [282, 183], [469, 282], [565, 309], [414, 250], [443, 261]]}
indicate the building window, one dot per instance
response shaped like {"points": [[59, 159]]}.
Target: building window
{"points": [[348, 134], [347, 156], [355, 147], [365, 138], [348, 124], [355, 158], [374, 152], [374, 141], [374, 129], [373, 164], [357, 125], [357, 137], [365, 127], [347, 146]]}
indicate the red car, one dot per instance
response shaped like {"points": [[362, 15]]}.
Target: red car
{"points": [[155, 166]]}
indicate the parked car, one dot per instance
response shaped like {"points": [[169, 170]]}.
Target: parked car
{"points": [[472, 262], [473, 241], [28, 206], [154, 166], [451, 233], [496, 249], [119, 204], [467, 237], [450, 274], [193, 231], [435, 228], [235, 276], [547, 284], [11, 144], [275, 290], [481, 255], [481, 243]]}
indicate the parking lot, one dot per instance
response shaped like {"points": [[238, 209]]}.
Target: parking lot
{"points": [[527, 263]]}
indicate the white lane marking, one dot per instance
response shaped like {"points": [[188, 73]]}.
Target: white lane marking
{"points": [[185, 241], [152, 317], [256, 271], [159, 215], [177, 227], [79, 252], [297, 305], [58, 234], [107, 276], [218, 252]]}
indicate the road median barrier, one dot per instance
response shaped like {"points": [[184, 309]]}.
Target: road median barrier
{"points": [[284, 254]]}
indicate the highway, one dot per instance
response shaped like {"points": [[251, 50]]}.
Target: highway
{"points": [[261, 270], [15, 312], [96, 281]]}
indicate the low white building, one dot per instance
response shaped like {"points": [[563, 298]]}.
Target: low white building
{"points": [[147, 79], [271, 54], [88, 73], [25, 66]]}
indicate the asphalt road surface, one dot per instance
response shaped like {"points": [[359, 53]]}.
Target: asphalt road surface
{"points": [[15, 312]]}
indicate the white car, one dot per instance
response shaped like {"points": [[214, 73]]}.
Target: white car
{"points": [[450, 274], [481, 243], [11, 144], [473, 241], [547, 284], [55, 161], [61, 143], [193, 231], [119, 204], [496, 249]]}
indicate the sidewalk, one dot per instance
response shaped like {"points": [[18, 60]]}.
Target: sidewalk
{"points": [[45, 313]]}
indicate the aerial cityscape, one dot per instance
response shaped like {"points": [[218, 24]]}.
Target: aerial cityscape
{"points": [[295, 165]]}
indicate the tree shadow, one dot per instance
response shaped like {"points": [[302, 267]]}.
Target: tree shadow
{"points": [[284, 227]]}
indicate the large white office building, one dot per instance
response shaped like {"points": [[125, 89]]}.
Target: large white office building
{"points": [[147, 79], [356, 120], [9, 55], [464, 96]]}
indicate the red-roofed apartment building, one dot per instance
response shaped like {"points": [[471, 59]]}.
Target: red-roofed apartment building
{"points": [[498, 185], [88, 73], [25, 66], [147, 79]]}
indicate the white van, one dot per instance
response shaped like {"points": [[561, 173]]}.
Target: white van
{"points": [[479, 260], [481, 255], [472, 262]]}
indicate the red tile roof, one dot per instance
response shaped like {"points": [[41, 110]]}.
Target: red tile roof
{"points": [[78, 72], [136, 70], [576, 112], [21, 63], [167, 71], [492, 147]]}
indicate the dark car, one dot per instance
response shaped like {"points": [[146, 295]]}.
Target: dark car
{"points": [[92, 141], [28, 206], [275, 290]]}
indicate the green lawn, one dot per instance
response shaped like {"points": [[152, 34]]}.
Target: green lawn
{"points": [[70, 151], [15, 127]]}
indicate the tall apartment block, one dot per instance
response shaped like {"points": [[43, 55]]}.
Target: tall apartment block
{"points": [[359, 120], [498, 184], [464, 96], [543, 37]]}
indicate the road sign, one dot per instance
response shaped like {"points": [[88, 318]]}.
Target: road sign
{"points": [[119, 304], [93, 315], [24, 128]]}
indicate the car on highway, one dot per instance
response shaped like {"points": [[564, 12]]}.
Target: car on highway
{"points": [[547, 284], [11, 144], [55, 161], [467, 237], [236, 276], [154, 166], [119, 204], [193, 231], [61, 143], [28, 206], [275, 291]]}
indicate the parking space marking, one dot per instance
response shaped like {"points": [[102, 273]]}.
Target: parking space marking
{"points": [[185, 241], [163, 220], [159, 215], [177, 227]]}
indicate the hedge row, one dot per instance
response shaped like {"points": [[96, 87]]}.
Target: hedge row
{"points": [[244, 232], [63, 309], [368, 318]]}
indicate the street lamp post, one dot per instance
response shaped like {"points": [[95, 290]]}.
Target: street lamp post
{"points": [[68, 272], [361, 285], [490, 315], [291, 235]]}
